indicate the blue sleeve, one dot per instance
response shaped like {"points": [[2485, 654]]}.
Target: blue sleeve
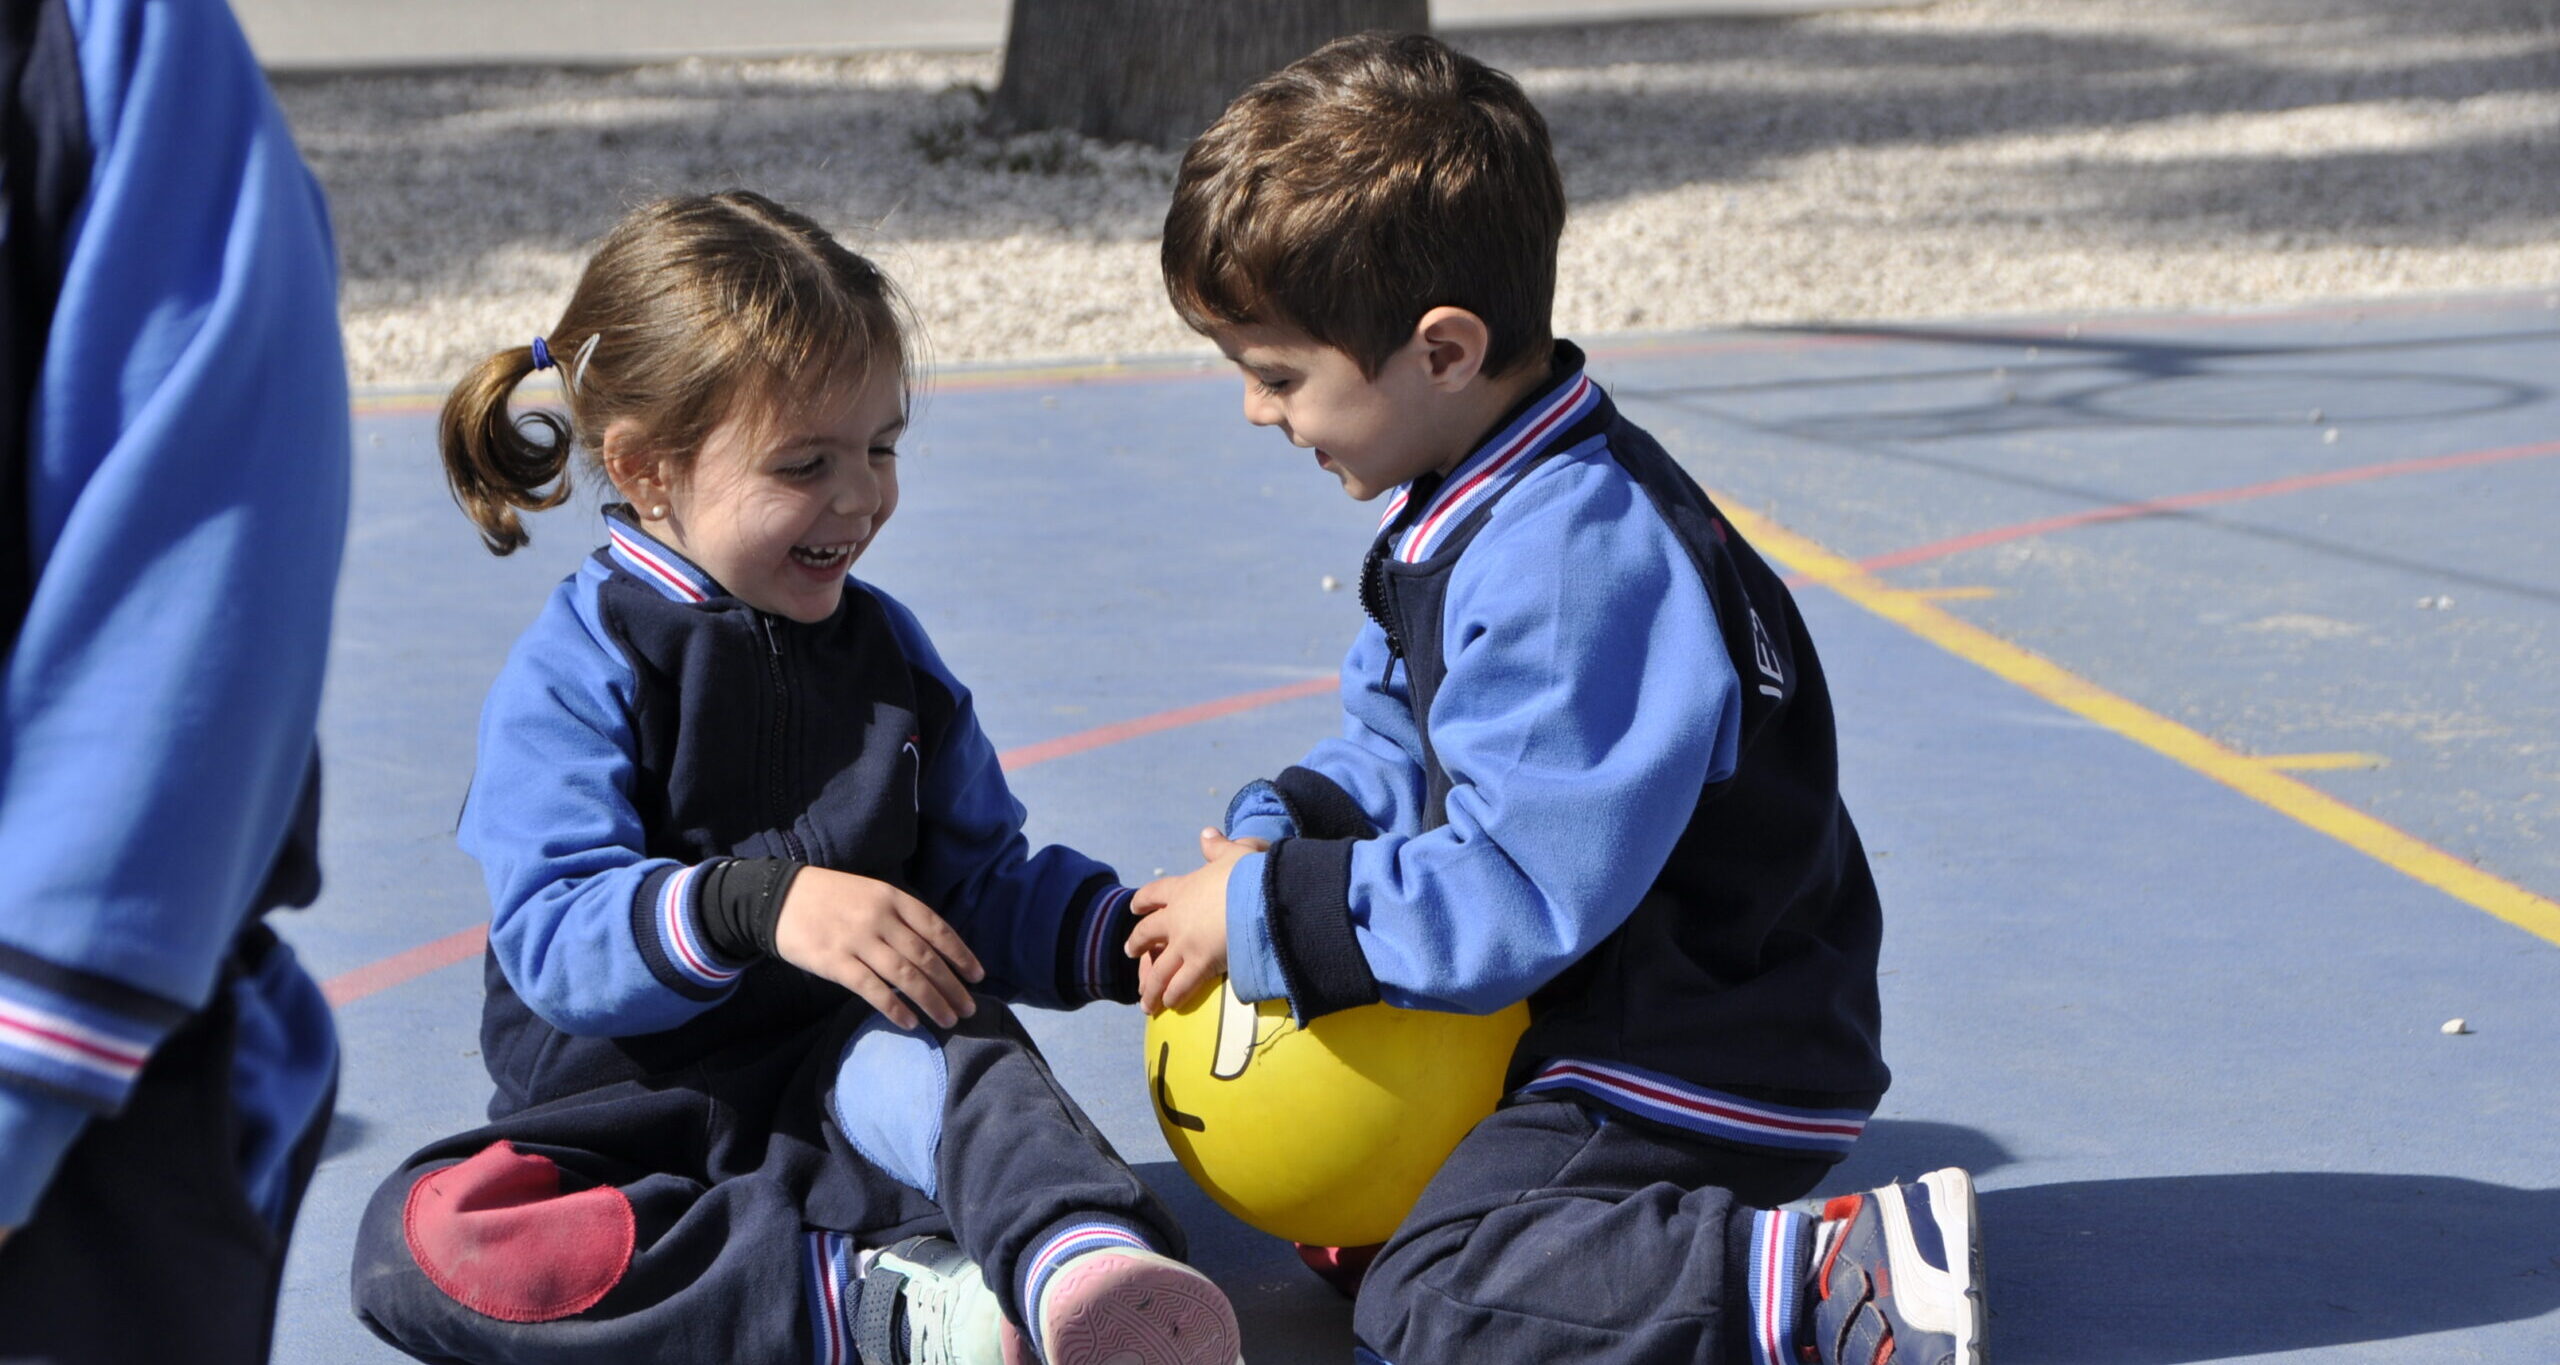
{"points": [[1370, 774], [1048, 924], [599, 938], [186, 494], [1582, 715]]}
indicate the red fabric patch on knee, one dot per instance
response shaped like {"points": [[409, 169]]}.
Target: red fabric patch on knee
{"points": [[497, 1236]]}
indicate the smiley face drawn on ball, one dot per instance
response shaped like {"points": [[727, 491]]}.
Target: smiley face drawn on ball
{"points": [[1244, 1032]]}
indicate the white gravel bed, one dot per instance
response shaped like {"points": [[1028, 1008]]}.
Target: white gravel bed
{"points": [[1967, 158]]}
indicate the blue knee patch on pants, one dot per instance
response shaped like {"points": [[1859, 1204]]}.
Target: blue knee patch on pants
{"points": [[890, 1087]]}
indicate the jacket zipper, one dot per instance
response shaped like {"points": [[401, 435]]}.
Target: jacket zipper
{"points": [[1373, 600], [778, 792]]}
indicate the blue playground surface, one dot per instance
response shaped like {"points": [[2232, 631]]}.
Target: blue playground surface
{"points": [[2195, 678]]}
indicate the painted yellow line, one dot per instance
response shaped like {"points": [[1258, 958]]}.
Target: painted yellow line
{"points": [[2322, 763], [1972, 594], [2250, 777]]}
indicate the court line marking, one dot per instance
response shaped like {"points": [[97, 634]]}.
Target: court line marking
{"points": [[2251, 777], [2179, 502], [409, 964], [2323, 763]]}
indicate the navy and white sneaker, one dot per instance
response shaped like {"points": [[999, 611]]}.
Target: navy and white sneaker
{"points": [[1898, 1276]]}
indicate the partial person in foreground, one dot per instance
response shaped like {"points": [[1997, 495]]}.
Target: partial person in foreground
{"points": [[174, 431], [759, 889], [1587, 760]]}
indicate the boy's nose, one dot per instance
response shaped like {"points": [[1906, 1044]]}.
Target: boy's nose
{"points": [[1260, 408]]}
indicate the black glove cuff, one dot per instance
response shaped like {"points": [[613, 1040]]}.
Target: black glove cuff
{"points": [[742, 902]]}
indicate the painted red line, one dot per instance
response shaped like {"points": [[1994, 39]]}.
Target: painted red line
{"points": [[408, 965], [1042, 752], [1940, 549], [356, 984]]}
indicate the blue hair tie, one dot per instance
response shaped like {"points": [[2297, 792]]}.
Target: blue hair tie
{"points": [[541, 354]]}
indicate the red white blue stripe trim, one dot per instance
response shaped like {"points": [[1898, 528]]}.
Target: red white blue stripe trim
{"points": [[1484, 473], [1780, 1259], [1065, 1246], [683, 933], [830, 1266], [65, 1054], [657, 564], [1712, 1113], [1093, 947]]}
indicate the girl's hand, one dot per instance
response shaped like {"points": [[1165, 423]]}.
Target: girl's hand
{"points": [[878, 942], [1181, 938]]}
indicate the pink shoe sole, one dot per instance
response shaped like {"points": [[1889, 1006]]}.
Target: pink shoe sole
{"points": [[1119, 1307]]}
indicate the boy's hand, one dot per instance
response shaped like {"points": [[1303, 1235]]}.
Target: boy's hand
{"points": [[1181, 938], [878, 942]]}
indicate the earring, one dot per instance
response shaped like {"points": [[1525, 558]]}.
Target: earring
{"points": [[658, 513]]}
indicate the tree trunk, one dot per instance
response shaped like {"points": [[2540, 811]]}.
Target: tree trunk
{"points": [[1159, 71]]}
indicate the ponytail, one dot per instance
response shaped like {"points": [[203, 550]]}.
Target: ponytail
{"points": [[497, 462]]}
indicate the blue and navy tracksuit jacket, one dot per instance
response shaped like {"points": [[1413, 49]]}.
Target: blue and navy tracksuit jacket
{"points": [[1586, 760], [655, 749], [173, 487]]}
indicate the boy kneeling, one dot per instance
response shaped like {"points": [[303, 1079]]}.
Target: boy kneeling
{"points": [[1587, 760]]}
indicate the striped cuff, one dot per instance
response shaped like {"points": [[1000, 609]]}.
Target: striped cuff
{"points": [[827, 1264], [1781, 1257], [666, 921], [1092, 963], [75, 1035], [1060, 1243], [1716, 1114]]}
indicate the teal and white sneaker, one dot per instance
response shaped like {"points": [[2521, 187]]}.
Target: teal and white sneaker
{"points": [[1898, 1276], [923, 1302]]}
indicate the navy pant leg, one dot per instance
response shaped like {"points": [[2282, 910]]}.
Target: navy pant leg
{"points": [[1018, 1156], [722, 1169], [145, 1248], [1555, 1234]]}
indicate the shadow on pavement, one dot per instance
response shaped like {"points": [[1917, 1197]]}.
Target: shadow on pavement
{"points": [[2191, 1268]]}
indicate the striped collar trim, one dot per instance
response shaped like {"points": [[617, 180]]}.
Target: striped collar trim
{"points": [[1484, 473], [1711, 1113], [648, 559]]}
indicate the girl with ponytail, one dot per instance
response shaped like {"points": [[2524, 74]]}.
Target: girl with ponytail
{"points": [[760, 895]]}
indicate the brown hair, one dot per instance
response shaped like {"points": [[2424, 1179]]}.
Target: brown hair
{"points": [[695, 306], [1378, 177]]}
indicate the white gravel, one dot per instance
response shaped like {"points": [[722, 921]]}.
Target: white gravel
{"points": [[1971, 157]]}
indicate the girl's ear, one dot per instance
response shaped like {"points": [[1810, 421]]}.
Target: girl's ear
{"points": [[638, 473], [1453, 343]]}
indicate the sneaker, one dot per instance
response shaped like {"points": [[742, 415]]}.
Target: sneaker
{"points": [[1898, 1276], [1124, 1306], [924, 1303]]}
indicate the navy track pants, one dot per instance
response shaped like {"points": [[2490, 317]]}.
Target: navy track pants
{"points": [[1555, 1232], [669, 1220]]}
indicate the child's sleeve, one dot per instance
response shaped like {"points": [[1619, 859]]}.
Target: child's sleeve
{"points": [[1366, 780], [1049, 923], [1588, 702], [598, 937], [180, 487]]}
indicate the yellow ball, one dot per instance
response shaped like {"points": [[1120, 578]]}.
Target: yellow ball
{"points": [[1327, 1134]]}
